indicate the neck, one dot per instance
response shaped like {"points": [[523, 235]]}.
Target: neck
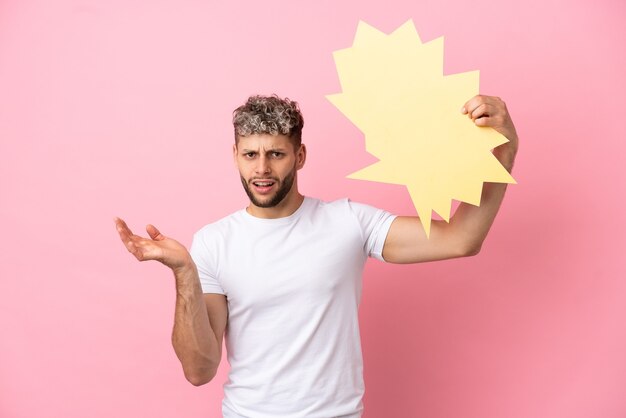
{"points": [[285, 208]]}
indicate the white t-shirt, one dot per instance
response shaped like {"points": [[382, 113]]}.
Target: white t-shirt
{"points": [[293, 287]]}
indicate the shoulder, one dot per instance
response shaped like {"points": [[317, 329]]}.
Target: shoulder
{"points": [[354, 208], [346, 208], [331, 208], [219, 228], [341, 204]]}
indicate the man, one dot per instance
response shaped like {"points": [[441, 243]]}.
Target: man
{"points": [[282, 278]]}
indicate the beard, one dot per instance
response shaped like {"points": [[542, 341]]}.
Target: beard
{"points": [[272, 201]]}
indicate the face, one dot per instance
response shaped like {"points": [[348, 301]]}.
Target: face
{"points": [[268, 165]]}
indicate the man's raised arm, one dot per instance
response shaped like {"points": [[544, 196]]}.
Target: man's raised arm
{"points": [[199, 321], [463, 236]]}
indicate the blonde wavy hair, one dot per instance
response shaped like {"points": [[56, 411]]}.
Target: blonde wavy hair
{"points": [[269, 115]]}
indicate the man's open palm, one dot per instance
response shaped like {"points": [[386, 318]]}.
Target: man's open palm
{"points": [[158, 247]]}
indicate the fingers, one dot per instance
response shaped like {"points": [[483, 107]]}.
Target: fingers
{"points": [[481, 111], [154, 233], [123, 229], [492, 112], [127, 237], [142, 248], [477, 106], [484, 121], [120, 223], [133, 243], [485, 110]]}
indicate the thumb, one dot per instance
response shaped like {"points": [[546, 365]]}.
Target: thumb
{"points": [[154, 233]]}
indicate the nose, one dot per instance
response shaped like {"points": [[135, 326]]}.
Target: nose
{"points": [[263, 166]]}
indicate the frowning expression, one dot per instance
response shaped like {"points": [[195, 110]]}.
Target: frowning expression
{"points": [[268, 166]]}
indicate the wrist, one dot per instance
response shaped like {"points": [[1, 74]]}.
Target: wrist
{"points": [[187, 280], [185, 268], [506, 154]]}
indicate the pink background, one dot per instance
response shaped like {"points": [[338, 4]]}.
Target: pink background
{"points": [[123, 108]]}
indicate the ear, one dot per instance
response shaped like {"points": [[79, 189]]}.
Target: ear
{"points": [[235, 153], [301, 157]]}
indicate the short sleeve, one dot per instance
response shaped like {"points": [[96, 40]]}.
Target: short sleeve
{"points": [[375, 224], [204, 258]]}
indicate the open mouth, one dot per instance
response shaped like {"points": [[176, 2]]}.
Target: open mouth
{"points": [[263, 186]]}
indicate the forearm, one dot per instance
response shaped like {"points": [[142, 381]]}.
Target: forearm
{"points": [[193, 338], [472, 223]]}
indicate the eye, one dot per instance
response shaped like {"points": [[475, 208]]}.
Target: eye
{"points": [[250, 154], [276, 154]]}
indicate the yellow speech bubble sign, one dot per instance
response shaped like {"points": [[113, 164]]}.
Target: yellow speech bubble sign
{"points": [[394, 91]]}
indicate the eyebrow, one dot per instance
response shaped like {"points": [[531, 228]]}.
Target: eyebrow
{"points": [[274, 149]]}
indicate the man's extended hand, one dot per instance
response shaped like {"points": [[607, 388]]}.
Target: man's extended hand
{"points": [[158, 247], [492, 112], [199, 320]]}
